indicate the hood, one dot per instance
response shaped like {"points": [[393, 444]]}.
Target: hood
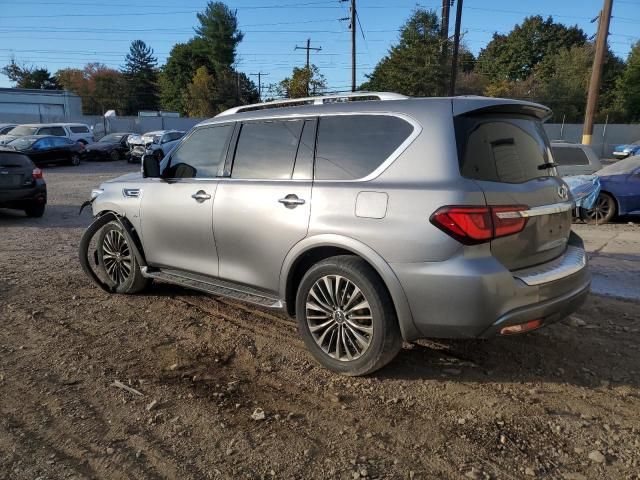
{"points": [[4, 139], [128, 177]]}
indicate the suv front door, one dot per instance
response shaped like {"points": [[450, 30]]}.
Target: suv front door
{"points": [[177, 209], [262, 210]]}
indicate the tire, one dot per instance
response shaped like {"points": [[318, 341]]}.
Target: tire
{"points": [[114, 155], [603, 211], [159, 154], [74, 159], [35, 211], [376, 324], [118, 262]]}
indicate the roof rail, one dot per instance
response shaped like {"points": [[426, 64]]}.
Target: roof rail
{"points": [[320, 100]]}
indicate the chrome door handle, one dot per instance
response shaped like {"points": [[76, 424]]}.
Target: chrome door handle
{"points": [[291, 201], [201, 196]]}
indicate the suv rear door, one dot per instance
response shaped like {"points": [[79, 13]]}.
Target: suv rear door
{"points": [[509, 157], [15, 171], [262, 208]]}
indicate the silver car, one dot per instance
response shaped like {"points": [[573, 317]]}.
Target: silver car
{"points": [[372, 219]]}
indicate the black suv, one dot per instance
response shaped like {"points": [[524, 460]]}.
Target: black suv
{"points": [[22, 185]]}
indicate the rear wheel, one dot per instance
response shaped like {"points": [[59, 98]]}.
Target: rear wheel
{"points": [[114, 155], [346, 317], [35, 210], [117, 260], [602, 212]]}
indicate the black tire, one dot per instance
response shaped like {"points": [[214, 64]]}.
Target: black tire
{"points": [[74, 159], [114, 155], [115, 270], [35, 211], [384, 336], [603, 211], [159, 154]]}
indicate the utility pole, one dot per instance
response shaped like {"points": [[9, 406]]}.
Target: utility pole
{"points": [[456, 47], [259, 75], [596, 71], [444, 26], [307, 48]]}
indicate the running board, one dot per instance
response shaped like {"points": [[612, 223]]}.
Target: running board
{"points": [[214, 286]]}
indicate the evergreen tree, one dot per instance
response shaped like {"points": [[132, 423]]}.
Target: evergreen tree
{"points": [[219, 29], [142, 78]]}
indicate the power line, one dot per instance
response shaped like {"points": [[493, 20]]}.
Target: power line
{"points": [[259, 75]]}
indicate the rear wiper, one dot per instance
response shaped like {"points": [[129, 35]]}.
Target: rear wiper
{"points": [[544, 166]]}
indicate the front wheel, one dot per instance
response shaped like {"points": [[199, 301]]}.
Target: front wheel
{"points": [[75, 160], [602, 212], [114, 155], [159, 154], [117, 260], [346, 317]]}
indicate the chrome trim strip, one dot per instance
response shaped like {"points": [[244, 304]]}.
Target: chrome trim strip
{"points": [[573, 260], [537, 211]]}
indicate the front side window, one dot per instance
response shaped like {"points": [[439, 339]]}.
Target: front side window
{"points": [[199, 156], [57, 131], [267, 150], [352, 146]]}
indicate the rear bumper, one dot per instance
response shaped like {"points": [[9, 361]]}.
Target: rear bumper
{"points": [[474, 296], [23, 197]]}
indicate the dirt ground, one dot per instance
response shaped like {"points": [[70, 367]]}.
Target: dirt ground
{"points": [[562, 402]]}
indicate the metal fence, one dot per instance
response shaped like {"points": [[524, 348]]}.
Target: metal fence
{"points": [[604, 139]]}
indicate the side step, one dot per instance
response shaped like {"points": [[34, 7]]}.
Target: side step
{"points": [[214, 286]]}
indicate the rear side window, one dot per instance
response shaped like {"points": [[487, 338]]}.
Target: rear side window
{"points": [[569, 156], [353, 146], [267, 150], [200, 155], [14, 160], [61, 142], [507, 149], [79, 129]]}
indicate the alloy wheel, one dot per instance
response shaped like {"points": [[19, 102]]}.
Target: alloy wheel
{"points": [[600, 211], [339, 318], [116, 257]]}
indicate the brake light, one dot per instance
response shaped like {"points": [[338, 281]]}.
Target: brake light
{"points": [[473, 225], [37, 173]]}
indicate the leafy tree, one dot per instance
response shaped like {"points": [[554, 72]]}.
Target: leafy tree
{"points": [[182, 64], [142, 77], [29, 77], [302, 83], [413, 66], [219, 29], [100, 87], [627, 89], [200, 94], [514, 56]]}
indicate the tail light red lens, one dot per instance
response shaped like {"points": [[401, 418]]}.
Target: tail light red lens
{"points": [[473, 225], [37, 173]]}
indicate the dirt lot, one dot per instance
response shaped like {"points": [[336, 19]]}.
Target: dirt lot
{"points": [[563, 402]]}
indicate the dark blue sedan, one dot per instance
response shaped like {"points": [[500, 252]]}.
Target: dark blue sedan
{"points": [[619, 191]]}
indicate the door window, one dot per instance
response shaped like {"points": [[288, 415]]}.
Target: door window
{"points": [[43, 144], [79, 129], [200, 155], [303, 169], [353, 146], [267, 150], [57, 131], [61, 142]]}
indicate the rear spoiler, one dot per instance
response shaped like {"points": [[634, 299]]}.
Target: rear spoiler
{"points": [[479, 105]]}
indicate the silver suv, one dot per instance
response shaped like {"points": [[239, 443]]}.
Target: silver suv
{"points": [[369, 218]]}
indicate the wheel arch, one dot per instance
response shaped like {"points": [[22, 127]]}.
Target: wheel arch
{"points": [[314, 249]]}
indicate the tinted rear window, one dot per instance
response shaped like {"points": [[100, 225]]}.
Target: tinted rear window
{"points": [[14, 160], [569, 156], [353, 146], [502, 148]]}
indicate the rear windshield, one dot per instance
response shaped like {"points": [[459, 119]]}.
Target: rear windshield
{"points": [[14, 160], [502, 148], [569, 156]]}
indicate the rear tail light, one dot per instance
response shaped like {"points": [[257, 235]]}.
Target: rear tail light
{"points": [[37, 173], [473, 225]]}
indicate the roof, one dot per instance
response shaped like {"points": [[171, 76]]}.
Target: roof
{"points": [[55, 124], [37, 91]]}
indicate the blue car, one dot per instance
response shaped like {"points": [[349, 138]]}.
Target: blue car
{"points": [[619, 192], [628, 150]]}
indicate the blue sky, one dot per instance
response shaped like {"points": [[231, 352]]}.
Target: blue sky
{"points": [[69, 33]]}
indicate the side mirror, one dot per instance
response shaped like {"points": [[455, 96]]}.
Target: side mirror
{"points": [[150, 167]]}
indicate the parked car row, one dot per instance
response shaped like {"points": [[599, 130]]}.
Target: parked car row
{"points": [[78, 132]]}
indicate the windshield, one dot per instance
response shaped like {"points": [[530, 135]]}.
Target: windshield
{"points": [[22, 143], [621, 167], [23, 130], [111, 138]]}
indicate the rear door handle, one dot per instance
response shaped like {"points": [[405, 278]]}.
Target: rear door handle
{"points": [[201, 196], [291, 201]]}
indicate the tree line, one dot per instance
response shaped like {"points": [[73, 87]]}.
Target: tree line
{"points": [[539, 60]]}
